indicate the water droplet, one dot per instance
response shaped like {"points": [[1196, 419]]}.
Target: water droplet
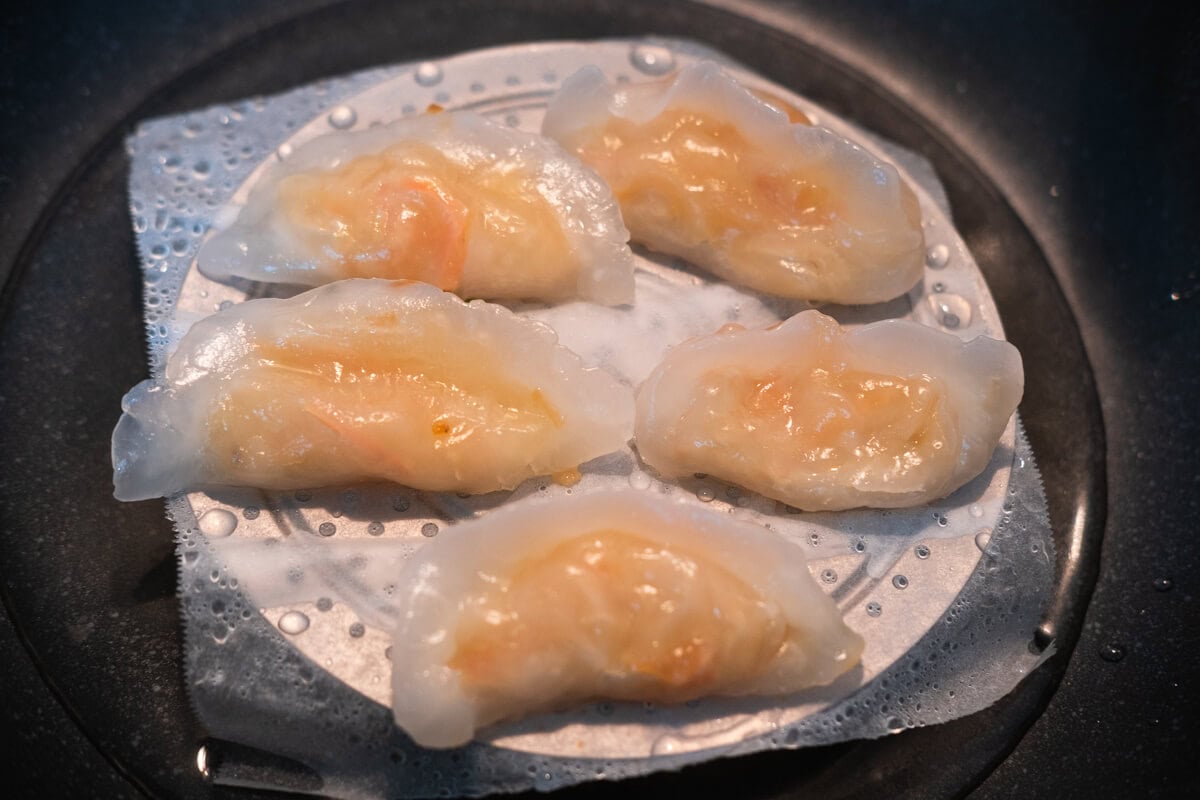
{"points": [[951, 310], [217, 522], [512, 120], [201, 169], [357, 630], [250, 512], [900, 582], [975, 510], [895, 725], [874, 609], [652, 59], [938, 256], [428, 74], [303, 495], [860, 546], [938, 287], [1163, 584], [814, 539], [639, 480], [429, 529], [293, 622], [706, 495], [283, 151], [476, 87], [982, 538], [942, 520], [202, 760], [375, 528], [327, 529], [158, 251], [512, 80], [343, 117], [829, 576], [387, 652], [1112, 652], [324, 604], [921, 551], [400, 503]]}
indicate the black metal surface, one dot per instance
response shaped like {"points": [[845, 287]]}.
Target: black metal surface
{"points": [[1007, 103]]}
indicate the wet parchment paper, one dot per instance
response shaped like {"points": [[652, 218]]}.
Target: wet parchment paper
{"points": [[946, 595]]}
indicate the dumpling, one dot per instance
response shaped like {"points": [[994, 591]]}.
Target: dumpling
{"points": [[744, 187], [366, 379], [447, 198], [617, 595], [889, 415]]}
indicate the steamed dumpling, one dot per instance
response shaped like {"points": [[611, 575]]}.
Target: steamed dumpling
{"points": [[366, 379], [889, 415], [744, 187], [617, 595], [449, 199]]}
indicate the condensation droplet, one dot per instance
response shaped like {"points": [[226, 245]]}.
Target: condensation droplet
{"points": [[951, 310], [706, 495], [895, 725], [1163, 584], [201, 169], [324, 604], [1112, 652], [428, 74], [293, 622], [250, 512], [652, 59], [639, 480], [512, 120], [357, 630], [900, 581], [921, 551], [982, 538], [400, 503], [975, 510], [283, 151], [202, 760], [217, 522], [860, 546], [303, 495], [375, 528], [874, 609], [938, 256], [343, 117], [429, 529], [829, 575], [814, 539], [327, 529]]}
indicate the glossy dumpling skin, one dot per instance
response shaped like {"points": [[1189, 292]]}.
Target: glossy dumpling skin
{"points": [[618, 595], [361, 380], [447, 198], [739, 184], [889, 415]]}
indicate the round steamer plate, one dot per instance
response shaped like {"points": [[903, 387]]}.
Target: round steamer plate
{"points": [[128, 565], [893, 574]]}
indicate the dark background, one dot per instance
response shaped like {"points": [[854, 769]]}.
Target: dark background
{"points": [[1084, 117]]}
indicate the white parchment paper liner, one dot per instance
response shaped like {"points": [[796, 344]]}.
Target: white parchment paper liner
{"points": [[947, 596]]}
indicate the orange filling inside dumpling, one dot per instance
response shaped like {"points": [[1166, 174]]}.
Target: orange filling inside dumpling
{"points": [[412, 212], [614, 614]]}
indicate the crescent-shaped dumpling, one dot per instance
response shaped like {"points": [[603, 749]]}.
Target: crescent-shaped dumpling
{"points": [[448, 198], [741, 185], [360, 380], [889, 415], [619, 595]]}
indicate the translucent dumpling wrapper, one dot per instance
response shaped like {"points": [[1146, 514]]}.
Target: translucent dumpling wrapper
{"points": [[619, 595], [738, 183], [363, 380], [448, 198], [889, 415]]}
